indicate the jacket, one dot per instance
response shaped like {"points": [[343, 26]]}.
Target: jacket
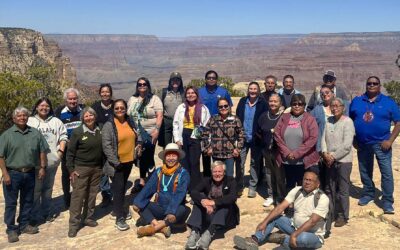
{"points": [[180, 116], [168, 200], [307, 150], [228, 199], [110, 144], [54, 131], [261, 107]]}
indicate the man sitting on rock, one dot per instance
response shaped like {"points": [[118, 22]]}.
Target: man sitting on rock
{"points": [[169, 185], [307, 227]]}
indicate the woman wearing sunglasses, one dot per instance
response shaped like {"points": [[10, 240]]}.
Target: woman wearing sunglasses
{"points": [[296, 135], [223, 137]]}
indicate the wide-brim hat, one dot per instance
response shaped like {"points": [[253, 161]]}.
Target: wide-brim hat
{"points": [[172, 147]]}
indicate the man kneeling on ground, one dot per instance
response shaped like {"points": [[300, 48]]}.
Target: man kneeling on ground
{"points": [[169, 184], [307, 227]]}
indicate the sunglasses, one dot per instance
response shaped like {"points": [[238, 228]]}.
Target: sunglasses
{"points": [[211, 78], [373, 83], [299, 104], [329, 79], [142, 84], [326, 92], [223, 106], [119, 108]]}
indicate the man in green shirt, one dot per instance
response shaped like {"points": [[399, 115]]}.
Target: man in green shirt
{"points": [[22, 149]]}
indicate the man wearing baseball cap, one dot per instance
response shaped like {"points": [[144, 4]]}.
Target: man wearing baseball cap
{"points": [[329, 79]]}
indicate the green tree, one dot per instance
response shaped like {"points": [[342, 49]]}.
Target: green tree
{"points": [[393, 89], [225, 82]]}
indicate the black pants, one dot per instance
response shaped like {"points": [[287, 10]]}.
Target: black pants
{"points": [[206, 165], [278, 185], [191, 162], [147, 159], [154, 211], [201, 220], [165, 132], [118, 186], [294, 175], [66, 184]]}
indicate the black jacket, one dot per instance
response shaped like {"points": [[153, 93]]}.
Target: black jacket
{"points": [[228, 199], [261, 107]]}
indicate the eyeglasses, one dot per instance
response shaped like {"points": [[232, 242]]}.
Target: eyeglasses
{"points": [[211, 78], [336, 106], [223, 106], [326, 92], [142, 84], [299, 104], [373, 83], [119, 108]]}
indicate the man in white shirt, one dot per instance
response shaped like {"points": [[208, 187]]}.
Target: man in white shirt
{"points": [[307, 227]]}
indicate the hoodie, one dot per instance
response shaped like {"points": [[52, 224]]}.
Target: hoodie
{"points": [[54, 131]]}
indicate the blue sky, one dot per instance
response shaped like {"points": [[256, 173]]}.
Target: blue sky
{"points": [[178, 18]]}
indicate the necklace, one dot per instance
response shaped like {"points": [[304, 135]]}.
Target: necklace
{"points": [[165, 187], [271, 119]]}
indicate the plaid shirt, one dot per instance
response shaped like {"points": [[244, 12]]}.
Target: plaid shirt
{"points": [[214, 136]]}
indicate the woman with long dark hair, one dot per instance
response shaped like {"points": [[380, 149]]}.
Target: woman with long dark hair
{"points": [[55, 133], [146, 109], [189, 121]]}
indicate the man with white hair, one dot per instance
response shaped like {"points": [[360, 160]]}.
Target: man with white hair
{"points": [[22, 149], [69, 114]]}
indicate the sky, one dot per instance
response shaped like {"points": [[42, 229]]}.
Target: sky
{"points": [[178, 18]]}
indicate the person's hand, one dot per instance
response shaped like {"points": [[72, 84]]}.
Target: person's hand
{"points": [[73, 176], [139, 150], [207, 202], [292, 241], [290, 156], [179, 143], [236, 152], [6, 179], [209, 151], [154, 136], [42, 173], [135, 208], [170, 218], [209, 209], [261, 227], [386, 145]]}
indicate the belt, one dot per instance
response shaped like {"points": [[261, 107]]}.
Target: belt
{"points": [[22, 170]]}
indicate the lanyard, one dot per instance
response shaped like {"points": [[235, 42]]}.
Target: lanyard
{"points": [[165, 187]]}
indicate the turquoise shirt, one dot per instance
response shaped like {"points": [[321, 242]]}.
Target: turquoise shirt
{"points": [[21, 149]]}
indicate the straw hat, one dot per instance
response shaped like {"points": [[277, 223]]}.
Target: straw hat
{"points": [[172, 147]]}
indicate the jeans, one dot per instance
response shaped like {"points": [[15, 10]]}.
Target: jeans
{"points": [[119, 181], [283, 223], [105, 188], [154, 211], [255, 169], [229, 164], [365, 154], [22, 184], [42, 196]]}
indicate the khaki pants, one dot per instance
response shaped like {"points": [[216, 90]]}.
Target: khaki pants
{"points": [[85, 189]]}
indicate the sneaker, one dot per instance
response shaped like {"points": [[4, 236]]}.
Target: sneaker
{"points": [[277, 238], [252, 193], [340, 222], [128, 215], [51, 217], [12, 237], [247, 243], [72, 233], [30, 230], [91, 223], [121, 225], [365, 200], [268, 202], [205, 240], [192, 240], [388, 208]]}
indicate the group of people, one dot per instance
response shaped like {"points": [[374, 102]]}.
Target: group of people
{"points": [[302, 152]]}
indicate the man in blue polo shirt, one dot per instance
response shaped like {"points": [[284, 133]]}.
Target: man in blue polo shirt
{"points": [[373, 114], [209, 95]]}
